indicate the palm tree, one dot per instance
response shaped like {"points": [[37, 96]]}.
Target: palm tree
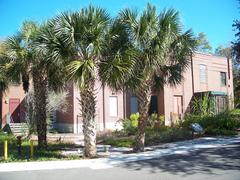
{"points": [[78, 40], [25, 61], [3, 77], [4, 80], [160, 51]]}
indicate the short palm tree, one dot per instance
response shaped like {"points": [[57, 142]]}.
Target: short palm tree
{"points": [[78, 40], [159, 54]]}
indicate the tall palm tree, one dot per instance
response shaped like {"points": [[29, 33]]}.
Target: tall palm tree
{"points": [[26, 61], [4, 80], [78, 40], [161, 52], [3, 77]]}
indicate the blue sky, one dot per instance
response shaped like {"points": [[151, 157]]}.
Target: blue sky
{"points": [[213, 17]]}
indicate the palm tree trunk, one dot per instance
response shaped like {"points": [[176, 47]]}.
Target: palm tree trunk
{"points": [[40, 101], [88, 105], [144, 97]]}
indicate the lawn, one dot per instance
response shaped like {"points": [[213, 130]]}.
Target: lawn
{"points": [[53, 152]]}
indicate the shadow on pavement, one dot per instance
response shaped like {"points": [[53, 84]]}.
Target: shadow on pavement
{"points": [[188, 163]]}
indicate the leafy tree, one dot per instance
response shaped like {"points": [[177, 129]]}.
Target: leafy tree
{"points": [[203, 44], [56, 101], [224, 51], [236, 52], [236, 43], [153, 52]]}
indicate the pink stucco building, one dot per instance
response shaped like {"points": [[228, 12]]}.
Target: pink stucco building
{"points": [[206, 73]]}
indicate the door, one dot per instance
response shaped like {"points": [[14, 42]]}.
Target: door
{"points": [[153, 105], [178, 108], [14, 109]]}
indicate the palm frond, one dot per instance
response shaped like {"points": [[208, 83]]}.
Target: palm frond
{"points": [[81, 72]]}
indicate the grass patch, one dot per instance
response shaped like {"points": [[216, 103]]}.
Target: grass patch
{"points": [[153, 136], [53, 152], [166, 134], [117, 141]]}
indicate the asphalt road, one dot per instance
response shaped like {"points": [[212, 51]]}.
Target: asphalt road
{"points": [[212, 163]]}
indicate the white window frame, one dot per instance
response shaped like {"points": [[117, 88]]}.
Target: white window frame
{"points": [[113, 112], [203, 77], [225, 84]]}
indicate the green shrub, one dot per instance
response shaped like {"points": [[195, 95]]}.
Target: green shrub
{"points": [[224, 123], [119, 141], [9, 137], [156, 121], [130, 124], [202, 105], [166, 134]]}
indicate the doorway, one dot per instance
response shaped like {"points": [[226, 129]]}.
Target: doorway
{"points": [[14, 110]]}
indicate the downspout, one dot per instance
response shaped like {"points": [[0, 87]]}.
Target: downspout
{"points": [[228, 64], [193, 90], [104, 121], [124, 104], [228, 85]]}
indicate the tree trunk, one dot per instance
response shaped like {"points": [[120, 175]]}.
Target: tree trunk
{"points": [[40, 102], [88, 105], [144, 97]]}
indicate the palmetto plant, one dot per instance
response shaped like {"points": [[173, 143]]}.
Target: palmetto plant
{"points": [[156, 54], [78, 40]]}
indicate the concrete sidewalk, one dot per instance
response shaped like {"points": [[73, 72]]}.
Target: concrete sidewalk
{"points": [[183, 147]]}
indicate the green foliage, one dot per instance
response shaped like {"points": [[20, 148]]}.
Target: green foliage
{"points": [[130, 124], [224, 123], [224, 51], [203, 44], [52, 153], [9, 137], [236, 43], [55, 101], [156, 121], [203, 105], [166, 134], [119, 141]]}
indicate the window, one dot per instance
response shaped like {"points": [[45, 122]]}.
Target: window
{"points": [[203, 73], [223, 78], [133, 105], [113, 106]]}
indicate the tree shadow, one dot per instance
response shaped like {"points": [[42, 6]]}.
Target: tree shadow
{"points": [[203, 161]]}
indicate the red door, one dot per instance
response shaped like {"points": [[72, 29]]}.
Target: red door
{"points": [[14, 109]]}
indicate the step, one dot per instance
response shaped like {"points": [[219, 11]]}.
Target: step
{"points": [[19, 128]]}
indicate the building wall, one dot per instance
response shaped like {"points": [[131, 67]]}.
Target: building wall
{"points": [[104, 119], [168, 99], [215, 65]]}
